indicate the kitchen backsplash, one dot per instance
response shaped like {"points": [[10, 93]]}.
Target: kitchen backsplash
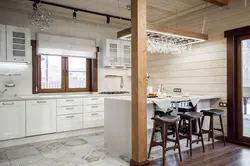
{"points": [[59, 27]]}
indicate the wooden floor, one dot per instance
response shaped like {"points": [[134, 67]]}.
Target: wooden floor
{"points": [[229, 155]]}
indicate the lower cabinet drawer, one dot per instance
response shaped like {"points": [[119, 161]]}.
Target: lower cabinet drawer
{"points": [[93, 119], [69, 110], [69, 122], [93, 108]]}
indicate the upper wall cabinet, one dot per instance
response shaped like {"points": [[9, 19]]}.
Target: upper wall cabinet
{"points": [[111, 53], [126, 53], [2, 42], [116, 53], [18, 44]]}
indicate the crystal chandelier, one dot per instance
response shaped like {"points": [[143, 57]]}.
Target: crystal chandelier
{"points": [[165, 40], [40, 17], [158, 43]]}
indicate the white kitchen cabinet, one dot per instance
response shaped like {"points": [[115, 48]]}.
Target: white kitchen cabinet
{"points": [[126, 53], [69, 122], [2, 42], [111, 53], [12, 120], [18, 44], [94, 108], [69, 102], [93, 119], [93, 100], [40, 117]]}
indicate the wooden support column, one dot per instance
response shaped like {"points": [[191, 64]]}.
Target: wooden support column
{"points": [[139, 83]]}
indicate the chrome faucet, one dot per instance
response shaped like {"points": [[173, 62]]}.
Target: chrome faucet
{"points": [[5, 90]]}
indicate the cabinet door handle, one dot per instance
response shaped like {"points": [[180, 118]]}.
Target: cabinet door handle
{"points": [[70, 116], [8, 103], [94, 98], [70, 108], [94, 114], [94, 106], [40, 102], [69, 100]]}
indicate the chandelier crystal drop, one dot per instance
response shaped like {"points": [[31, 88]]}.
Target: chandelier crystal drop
{"points": [[40, 17]]}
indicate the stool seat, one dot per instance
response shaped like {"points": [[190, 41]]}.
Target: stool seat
{"points": [[191, 115], [167, 119], [213, 111]]}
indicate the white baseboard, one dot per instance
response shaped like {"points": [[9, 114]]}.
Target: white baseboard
{"points": [[33, 139]]}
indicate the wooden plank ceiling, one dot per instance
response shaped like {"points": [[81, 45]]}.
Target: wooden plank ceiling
{"points": [[157, 9]]}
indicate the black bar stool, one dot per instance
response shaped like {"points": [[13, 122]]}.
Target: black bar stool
{"points": [[190, 117], [163, 123], [211, 113]]}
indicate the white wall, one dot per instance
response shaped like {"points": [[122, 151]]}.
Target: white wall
{"points": [[202, 70], [66, 27]]}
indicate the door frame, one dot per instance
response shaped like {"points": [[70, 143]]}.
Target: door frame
{"points": [[239, 89], [233, 91]]}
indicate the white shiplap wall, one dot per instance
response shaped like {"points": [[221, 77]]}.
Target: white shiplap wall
{"points": [[65, 27], [202, 70]]}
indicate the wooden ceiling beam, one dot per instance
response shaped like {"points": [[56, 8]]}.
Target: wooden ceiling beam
{"points": [[218, 2], [163, 29]]}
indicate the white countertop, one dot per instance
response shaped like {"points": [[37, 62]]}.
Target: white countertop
{"points": [[55, 96], [193, 98]]}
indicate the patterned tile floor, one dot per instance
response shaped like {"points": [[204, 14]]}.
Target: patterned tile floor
{"points": [[86, 150]]}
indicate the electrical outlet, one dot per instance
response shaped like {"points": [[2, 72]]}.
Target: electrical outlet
{"points": [[177, 90], [223, 104]]}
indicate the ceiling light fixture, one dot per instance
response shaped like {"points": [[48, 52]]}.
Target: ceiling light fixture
{"points": [[74, 14], [40, 17], [108, 20], [167, 40]]}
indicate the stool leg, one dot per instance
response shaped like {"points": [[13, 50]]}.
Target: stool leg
{"points": [[178, 141], [201, 135], [164, 144], [202, 121], [222, 129], [212, 133], [210, 128], [190, 133], [152, 139]]}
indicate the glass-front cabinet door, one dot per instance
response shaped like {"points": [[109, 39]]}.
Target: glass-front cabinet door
{"points": [[114, 52], [126, 53], [243, 56], [19, 44], [2, 43]]}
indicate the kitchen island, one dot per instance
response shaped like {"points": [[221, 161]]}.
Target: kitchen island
{"points": [[118, 119]]}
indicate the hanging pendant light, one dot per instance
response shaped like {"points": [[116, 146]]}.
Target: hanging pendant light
{"points": [[40, 17]]}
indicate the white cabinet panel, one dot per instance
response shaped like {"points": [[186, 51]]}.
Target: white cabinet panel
{"points": [[40, 117], [12, 120], [69, 110], [69, 102], [2, 43], [93, 108], [126, 53], [18, 44], [93, 100], [94, 119], [111, 52], [69, 122]]}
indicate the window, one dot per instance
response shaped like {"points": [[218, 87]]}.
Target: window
{"points": [[63, 74], [53, 74]]}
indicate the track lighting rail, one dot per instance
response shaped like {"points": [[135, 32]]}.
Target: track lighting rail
{"points": [[108, 16]]}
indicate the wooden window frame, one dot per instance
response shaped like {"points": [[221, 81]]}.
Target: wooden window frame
{"points": [[91, 75]]}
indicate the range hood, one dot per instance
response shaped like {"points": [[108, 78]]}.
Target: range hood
{"points": [[65, 46]]}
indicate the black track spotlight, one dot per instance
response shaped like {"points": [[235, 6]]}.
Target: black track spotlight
{"points": [[108, 20], [74, 14]]}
